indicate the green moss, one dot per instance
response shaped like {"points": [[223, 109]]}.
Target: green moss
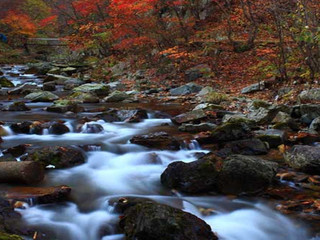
{"points": [[259, 103], [5, 236], [216, 98]]}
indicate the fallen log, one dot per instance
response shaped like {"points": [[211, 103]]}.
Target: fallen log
{"points": [[21, 172]]}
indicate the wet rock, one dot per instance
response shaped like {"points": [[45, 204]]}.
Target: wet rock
{"points": [[194, 128], [40, 195], [95, 88], [31, 70], [41, 96], [59, 157], [58, 129], [122, 204], [245, 147], [4, 82], [69, 70], [273, 137], [50, 78], [309, 95], [186, 89], [159, 140], [49, 86], [230, 131], [62, 106], [304, 158], [241, 174], [39, 68], [21, 128], [18, 106], [92, 128], [116, 96], [72, 83], [85, 97], [193, 116], [151, 221], [10, 222], [254, 88], [24, 89], [315, 125], [26, 172], [15, 151], [115, 115], [195, 177]]}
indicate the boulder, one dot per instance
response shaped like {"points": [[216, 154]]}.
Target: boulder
{"points": [[309, 95], [230, 131], [85, 97], [40, 195], [186, 89], [263, 115], [4, 82], [208, 107], [69, 70], [41, 96], [194, 128], [39, 68], [92, 128], [193, 116], [116, 96], [304, 158], [195, 177], [21, 128], [251, 146], [50, 78], [59, 157], [159, 140], [152, 221], [254, 88], [315, 125], [215, 98], [115, 115], [202, 70], [284, 121], [241, 174], [6, 236], [273, 137], [308, 112], [96, 88], [24, 89], [18, 106], [58, 128], [49, 86], [72, 83], [62, 106]]}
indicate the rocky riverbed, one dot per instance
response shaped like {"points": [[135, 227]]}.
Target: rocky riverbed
{"points": [[88, 160]]}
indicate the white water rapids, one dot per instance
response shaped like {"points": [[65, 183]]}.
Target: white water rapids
{"points": [[117, 168]]}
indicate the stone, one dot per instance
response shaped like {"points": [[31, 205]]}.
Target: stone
{"points": [[263, 115], [215, 98], [254, 88], [92, 128], [24, 89], [310, 95], [208, 107], [49, 86], [159, 140], [63, 106], [194, 128], [315, 125], [116, 96], [50, 78], [241, 174], [21, 128], [97, 88], [41, 96], [41, 68], [18, 106], [284, 121], [205, 91], [69, 70], [194, 177], [72, 83], [304, 158], [116, 115], [186, 89], [194, 73], [251, 146], [40, 195], [152, 221], [58, 128], [4, 82], [59, 157], [85, 97], [273, 137], [193, 116], [309, 111]]}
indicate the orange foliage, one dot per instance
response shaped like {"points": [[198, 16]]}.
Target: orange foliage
{"points": [[19, 24]]}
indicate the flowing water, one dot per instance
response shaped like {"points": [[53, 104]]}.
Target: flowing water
{"points": [[116, 168]]}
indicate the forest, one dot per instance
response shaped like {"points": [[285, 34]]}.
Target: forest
{"points": [[159, 119]]}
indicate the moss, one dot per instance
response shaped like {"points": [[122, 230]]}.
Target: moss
{"points": [[216, 98], [259, 103], [5, 236]]}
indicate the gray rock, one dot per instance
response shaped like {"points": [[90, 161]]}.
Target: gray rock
{"points": [[263, 115], [186, 89], [241, 174], [95, 88], [304, 158], [24, 89], [274, 137], [18, 106], [254, 88], [84, 97], [116, 96], [315, 125], [194, 128], [309, 95], [202, 70], [310, 111], [41, 96], [208, 107], [159, 140], [206, 90], [63, 106], [188, 117], [230, 131], [116, 115]]}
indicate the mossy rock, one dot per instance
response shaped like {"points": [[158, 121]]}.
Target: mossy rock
{"points": [[84, 97], [41, 96], [97, 88], [5, 236], [215, 97], [230, 131], [4, 82]]}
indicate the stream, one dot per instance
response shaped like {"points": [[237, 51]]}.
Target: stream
{"points": [[116, 168]]}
